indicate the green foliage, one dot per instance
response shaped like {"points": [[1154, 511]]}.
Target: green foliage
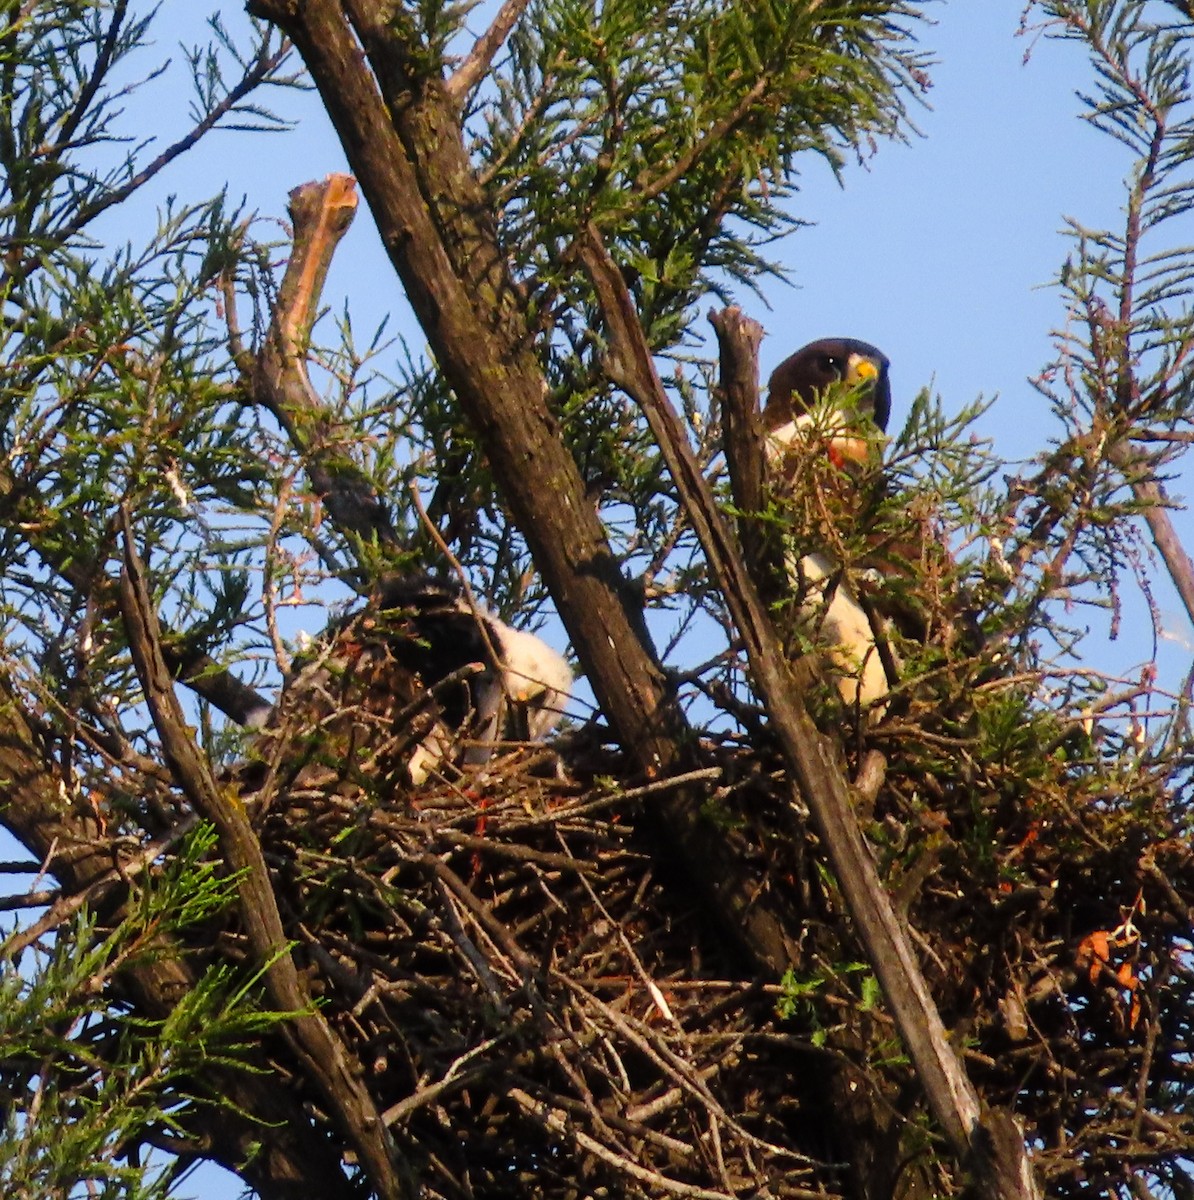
{"points": [[679, 130], [676, 129], [116, 385], [86, 1082], [1122, 372], [1029, 799], [798, 996]]}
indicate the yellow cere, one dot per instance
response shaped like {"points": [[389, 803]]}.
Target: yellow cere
{"points": [[859, 370]]}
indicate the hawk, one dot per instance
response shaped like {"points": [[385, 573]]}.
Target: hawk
{"points": [[846, 380], [417, 680], [523, 684], [833, 396]]}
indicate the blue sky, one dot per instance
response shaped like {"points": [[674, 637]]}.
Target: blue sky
{"points": [[938, 251], [953, 239], [934, 250]]}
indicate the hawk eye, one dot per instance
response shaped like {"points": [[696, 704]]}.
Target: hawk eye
{"points": [[833, 364]]}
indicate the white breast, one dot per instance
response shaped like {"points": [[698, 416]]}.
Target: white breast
{"points": [[523, 698], [838, 621], [536, 677]]}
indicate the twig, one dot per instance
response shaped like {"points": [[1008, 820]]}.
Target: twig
{"points": [[269, 588], [585, 807], [683, 1072], [238, 352], [65, 907], [657, 996], [646, 190], [1154, 502], [494, 929], [465, 587], [260, 70], [518, 854], [432, 1093], [556, 1124]]}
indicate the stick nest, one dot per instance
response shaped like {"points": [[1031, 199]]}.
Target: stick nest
{"points": [[545, 1005]]}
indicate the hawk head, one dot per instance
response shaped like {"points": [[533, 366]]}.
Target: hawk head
{"points": [[848, 374]]}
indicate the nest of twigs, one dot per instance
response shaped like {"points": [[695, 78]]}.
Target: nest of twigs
{"points": [[544, 1003], [541, 1006]]}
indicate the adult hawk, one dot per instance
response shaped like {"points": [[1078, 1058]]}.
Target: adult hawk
{"points": [[832, 399]]}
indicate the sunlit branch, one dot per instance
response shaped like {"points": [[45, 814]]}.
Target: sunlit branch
{"points": [[473, 69]]}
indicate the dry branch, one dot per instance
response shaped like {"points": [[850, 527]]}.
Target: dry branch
{"points": [[738, 340], [322, 1053], [1151, 496], [999, 1163], [321, 214]]}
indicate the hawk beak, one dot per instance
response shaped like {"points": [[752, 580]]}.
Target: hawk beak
{"points": [[860, 370]]}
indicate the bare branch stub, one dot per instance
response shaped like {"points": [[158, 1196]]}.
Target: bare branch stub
{"points": [[321, 214]]}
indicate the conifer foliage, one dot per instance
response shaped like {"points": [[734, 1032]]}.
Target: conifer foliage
{"points": [[725, 935]]}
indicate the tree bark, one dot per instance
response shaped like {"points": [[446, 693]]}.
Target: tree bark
{"points": [[318, 1049], [409, 159], [998, 1162]]}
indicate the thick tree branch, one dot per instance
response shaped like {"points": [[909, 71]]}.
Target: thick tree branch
{"points": [[998, 1160], [738, 339], [406, 150], [323, 1056]]}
